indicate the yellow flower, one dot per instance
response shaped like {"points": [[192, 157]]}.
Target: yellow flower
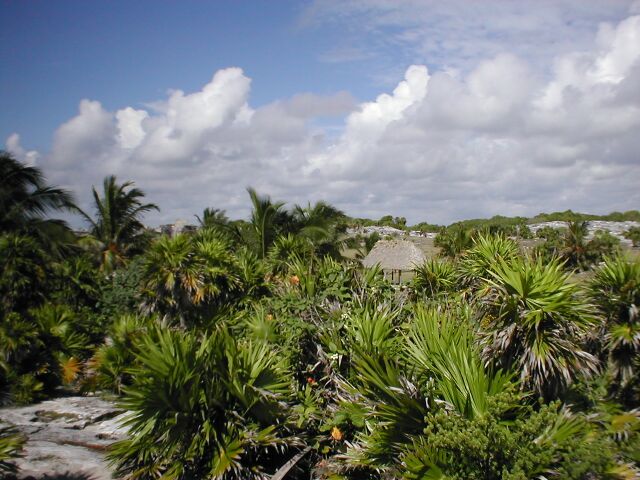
{"points": [[336, 434]]}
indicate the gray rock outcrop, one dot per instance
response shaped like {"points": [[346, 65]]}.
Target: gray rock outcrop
{"points": [[66, 436]]}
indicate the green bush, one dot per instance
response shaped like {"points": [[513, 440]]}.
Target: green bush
{"points": [[205, 407]]}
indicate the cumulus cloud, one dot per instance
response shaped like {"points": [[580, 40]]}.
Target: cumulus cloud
{"points": [[13, 145], [500, 137]]}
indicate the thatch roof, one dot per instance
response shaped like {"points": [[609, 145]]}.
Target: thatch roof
{"points": [[394, 255]]}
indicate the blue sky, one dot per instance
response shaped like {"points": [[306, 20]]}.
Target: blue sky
{"points": [[129, 53], [378, 106]]}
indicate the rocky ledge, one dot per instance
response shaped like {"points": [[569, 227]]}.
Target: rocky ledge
{"points": [[66, 437]]}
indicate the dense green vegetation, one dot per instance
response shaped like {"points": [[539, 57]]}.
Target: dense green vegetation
{"points": [[570, 216], [253, 349]]}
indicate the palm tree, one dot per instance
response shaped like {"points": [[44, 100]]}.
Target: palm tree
{"points": [[615, 290], [216, 219], [206, 407], [320, 224], [213, 217], [435, 276], [575, 243], [533, 320], [442, 345], [185, 274], [486, 251], [26, 273], [26, 200], [117, 225], [268, 219]]}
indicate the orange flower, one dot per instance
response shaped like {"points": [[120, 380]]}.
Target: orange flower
{"points": [[336, 434], [294, 280], [311, 381]]}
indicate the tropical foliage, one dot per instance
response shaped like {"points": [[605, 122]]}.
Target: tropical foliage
{"points": [[26, 200], [615, 290], [255, 349], [117, 228], [533, 319], [205, 407]]}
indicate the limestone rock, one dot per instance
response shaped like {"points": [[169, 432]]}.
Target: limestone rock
{"points": [[66, 436]]}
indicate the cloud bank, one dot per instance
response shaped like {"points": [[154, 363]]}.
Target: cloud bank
{"points": [[501, 136]]}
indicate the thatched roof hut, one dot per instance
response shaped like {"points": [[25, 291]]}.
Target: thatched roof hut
{"points": [[394, 254]]}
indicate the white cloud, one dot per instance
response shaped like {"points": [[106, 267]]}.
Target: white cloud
{"points": [[501, 136], [83, 138], [130, 129], [13, 145]]}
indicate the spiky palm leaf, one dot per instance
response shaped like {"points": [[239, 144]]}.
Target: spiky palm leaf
{"points": [[533, 321], [266, 217], [117, 224], [319, 224], [11, 444], [486, 251], [615, 290], [26, 201], [435, 276], [184, 273], [205, 407], [442, 345]]}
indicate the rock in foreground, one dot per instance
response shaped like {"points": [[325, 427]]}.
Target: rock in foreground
{"points": [[66, 436]]}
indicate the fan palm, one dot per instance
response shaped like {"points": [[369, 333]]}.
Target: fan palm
{"points": [[615, 290], [399, 380], [117, 225], [533, 320], [212, 217], [486, 251], [108, 368], [287, 248], [216, 219], [435, 276], [186, 273], [442, 344], [205, 407]]}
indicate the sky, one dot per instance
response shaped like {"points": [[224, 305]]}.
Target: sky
{"points": [[435, 111]]}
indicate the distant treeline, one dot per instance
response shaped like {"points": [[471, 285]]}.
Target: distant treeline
{"points": [[497, 221], [568, 215]]}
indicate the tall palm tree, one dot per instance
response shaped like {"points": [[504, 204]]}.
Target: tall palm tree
{"points": [[117, 225], [320, 224], [268, 219], [216, 219], [26, 201], [212, 217]]}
